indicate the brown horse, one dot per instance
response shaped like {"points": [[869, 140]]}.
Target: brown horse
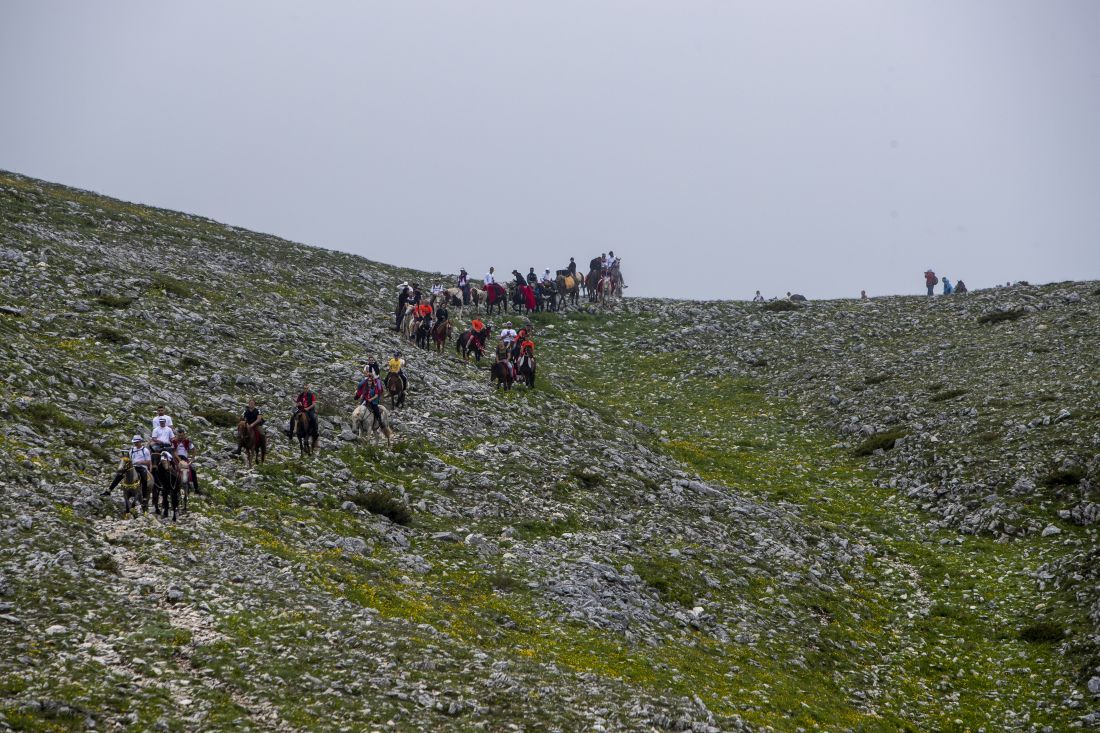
{"points": [[131, 486], [252, 442], [501, 374], [441, 334], [307, 439], [469, 343], [569, 287], [396, 388]]}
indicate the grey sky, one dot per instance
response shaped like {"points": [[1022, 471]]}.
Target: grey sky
{"points": [[718, 147]]}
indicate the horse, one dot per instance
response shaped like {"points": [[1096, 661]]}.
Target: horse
{"points": [[186, 483], [423, 333], [468, 343], [604, 289], [476, 296], [496, 295], [166, 485], [253, 443], [131, 486], [408, 326], [453, 297], [591, 282], [307, 439], [525, 370], [363, 419], [548, 296], [616, 277], [441, 334], [568, 287], [396, 388], [501, 375]]}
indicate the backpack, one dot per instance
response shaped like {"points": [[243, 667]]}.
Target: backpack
{"points": [[935, 280]]}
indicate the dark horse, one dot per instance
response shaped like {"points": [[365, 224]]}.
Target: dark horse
{"points": [[396, 388], [305, 433], [441, 334], [525, 370], [469, 343], [166, 486], [252, 442], [501, 375], [495, 295], [424, 333]]}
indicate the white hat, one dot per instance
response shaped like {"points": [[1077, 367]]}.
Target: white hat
{"points": [[137, 439]]}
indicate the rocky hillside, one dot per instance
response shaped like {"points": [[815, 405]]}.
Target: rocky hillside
{"points": [[849, 516]]}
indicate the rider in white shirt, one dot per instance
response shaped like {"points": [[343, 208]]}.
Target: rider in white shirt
{"points": [[489, 279], [160, 414], [162, 434], [508, 334]]}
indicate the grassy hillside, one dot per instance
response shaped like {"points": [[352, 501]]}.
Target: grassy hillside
{"points": [[705, 516]]}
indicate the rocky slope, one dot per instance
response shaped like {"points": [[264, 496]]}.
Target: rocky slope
{"points": [[706, 516]]}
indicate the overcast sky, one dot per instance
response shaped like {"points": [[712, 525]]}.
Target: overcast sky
{"points": [[718, 147]]}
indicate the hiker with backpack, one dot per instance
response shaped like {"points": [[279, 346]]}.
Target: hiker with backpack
{"points": [[947, 289], [931, 281]]}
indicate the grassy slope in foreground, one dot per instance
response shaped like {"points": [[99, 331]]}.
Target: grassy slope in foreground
{"points": [[930, 637]]}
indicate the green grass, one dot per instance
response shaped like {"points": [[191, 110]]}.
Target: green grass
{"points": [[114, 301], [884, 440], [1002, 316]]}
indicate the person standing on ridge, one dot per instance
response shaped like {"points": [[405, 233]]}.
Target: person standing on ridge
{"points": [[403, 298], [947, 289], [930, 281]]}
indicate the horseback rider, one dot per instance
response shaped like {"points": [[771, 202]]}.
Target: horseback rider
{"points": [[507, 334], [532, 278], [490, 278], [142, 460], [253, 419], [160, 414], [370, 392], [403, 298], [372, 367], [572, 269], [397, 366], [520, 282], [305, 402], [184, 449], [502, 358], [416, 295], [464, 285], [162, 435], [441, 313]]}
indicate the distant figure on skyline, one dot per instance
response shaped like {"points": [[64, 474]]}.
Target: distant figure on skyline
{"points": [[758, 298], [863, 295], [930, 281], [960, 287], [947, 289]]}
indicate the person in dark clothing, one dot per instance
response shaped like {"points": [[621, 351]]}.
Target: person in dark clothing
{"points": [[464, 286], [370, 392], [254, 420], [520, 281], [572, 269], [416, 295], [402, 304], [441, 313], [372, 366], [532, 278]]}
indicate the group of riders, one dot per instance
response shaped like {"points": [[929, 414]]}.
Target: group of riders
{"points": [[172, 451], [515, 359]]}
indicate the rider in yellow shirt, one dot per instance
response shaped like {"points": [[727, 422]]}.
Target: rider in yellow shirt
{"points": [[396, 366]]}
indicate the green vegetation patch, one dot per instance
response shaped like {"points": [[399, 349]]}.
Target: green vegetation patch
{"points": [[110, 335], [1002, 316], [885, 440], [46, 416], [386, 504], [779, 306], [669, 578], [1043, 632], [218, 417], [948, 394], [171, 286], [1063, 477], [114, 301]]}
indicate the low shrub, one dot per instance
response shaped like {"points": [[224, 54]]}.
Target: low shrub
{"points": [[111, 335], [877, 378], [1063, 477], [190, 362], [779, 306], [1001, 316], [386, 504], [884, 440], [668, 579], [1044, 632], [171, 286], [503, 582], [218, 417], [47, 416], [949, 394], [114, 301], [589, 478]]}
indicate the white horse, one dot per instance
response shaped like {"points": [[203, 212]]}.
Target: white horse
{"points": [[363, 420]]}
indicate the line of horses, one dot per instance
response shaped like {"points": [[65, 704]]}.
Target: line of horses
{"points": [[169, 485]]}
